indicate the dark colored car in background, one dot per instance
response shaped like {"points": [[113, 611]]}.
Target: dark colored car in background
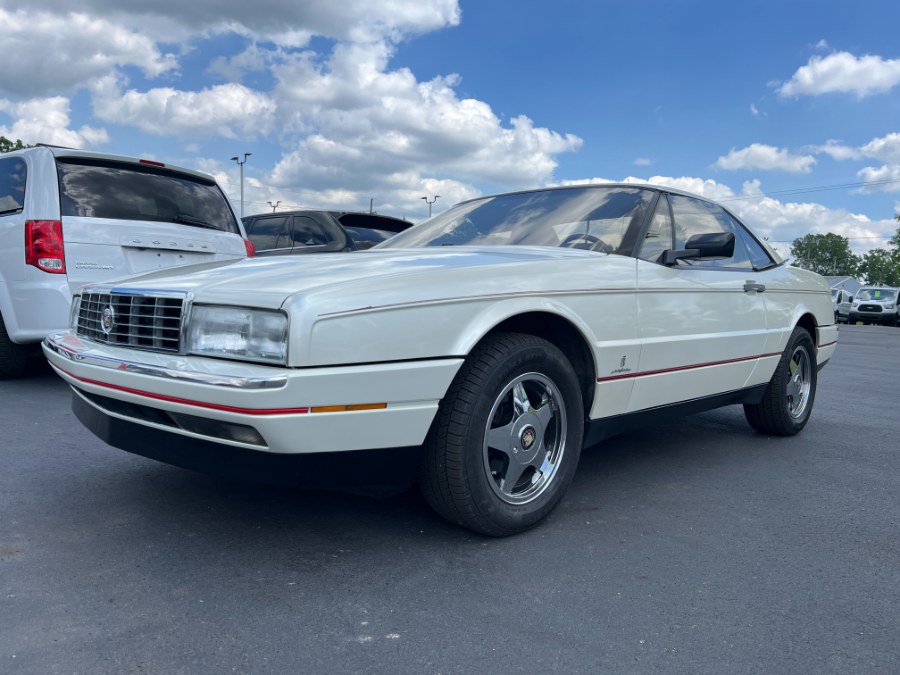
{"points": [[296, 232]]}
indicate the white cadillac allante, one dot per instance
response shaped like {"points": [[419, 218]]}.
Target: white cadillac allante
{"points": [[477, 352]]}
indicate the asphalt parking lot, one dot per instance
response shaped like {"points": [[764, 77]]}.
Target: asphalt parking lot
{"points": [[697, 547]]}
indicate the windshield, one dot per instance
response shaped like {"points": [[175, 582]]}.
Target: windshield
{"points": [[591, 218], [104, 189], [879, 294]]}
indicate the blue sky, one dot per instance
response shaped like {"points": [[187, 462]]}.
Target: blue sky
{"points": [[765, 106]]}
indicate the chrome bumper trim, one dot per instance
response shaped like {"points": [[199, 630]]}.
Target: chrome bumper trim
{"points": [[53, 343]]}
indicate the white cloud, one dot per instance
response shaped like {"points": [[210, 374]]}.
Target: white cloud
{"points": [[46, 120], [47, 53], [885, 149], [642, 161], [226, 110], [836, 150], [843, 72], [368, 122], [284, 23], [765, 157], [782, 222], [884, 178]]}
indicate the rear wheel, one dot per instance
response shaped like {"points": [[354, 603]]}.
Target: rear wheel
{"points": [[506, 441], [13, 357], [788, 399]]}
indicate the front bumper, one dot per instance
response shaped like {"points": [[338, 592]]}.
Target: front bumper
{"points": [[264, 409], [378, 473], [886, 317]]}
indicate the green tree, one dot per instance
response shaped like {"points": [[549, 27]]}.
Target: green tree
{"points": [[881, 267], [7, 145], [827, 254]]}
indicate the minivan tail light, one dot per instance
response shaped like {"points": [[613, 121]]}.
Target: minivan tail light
{"points": [[251, 249], [44, 246]]}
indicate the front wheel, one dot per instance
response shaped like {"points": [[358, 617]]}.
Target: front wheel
{"points": [[506, 441], [788, 399]]}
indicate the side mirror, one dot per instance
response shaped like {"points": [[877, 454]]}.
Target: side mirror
{"points": [[709, 245]]}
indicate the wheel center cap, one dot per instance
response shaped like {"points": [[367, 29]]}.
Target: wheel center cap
{"points": [[527, 437]]}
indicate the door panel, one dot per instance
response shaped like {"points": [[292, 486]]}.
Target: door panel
{"points": [[702, 321], [701, 333]]}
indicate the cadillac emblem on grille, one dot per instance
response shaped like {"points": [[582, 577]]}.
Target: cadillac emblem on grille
{"points": [[108, 320]]}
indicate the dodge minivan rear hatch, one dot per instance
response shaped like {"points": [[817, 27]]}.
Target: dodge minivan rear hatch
{"points": [[126, 217]]}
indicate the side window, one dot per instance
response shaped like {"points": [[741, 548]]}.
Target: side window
{"points": [[13, 173], [659, 235], [308, 232], [270, 232], [694, 216], [758, 256]]}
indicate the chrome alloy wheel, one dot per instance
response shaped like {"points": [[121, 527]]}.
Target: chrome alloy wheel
{"points": [[525, 438], [800, 382]]}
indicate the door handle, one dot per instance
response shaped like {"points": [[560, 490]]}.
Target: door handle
{"points": [[753, 286]]}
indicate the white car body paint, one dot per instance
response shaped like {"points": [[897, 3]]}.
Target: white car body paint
{"points": [[394, 326]]}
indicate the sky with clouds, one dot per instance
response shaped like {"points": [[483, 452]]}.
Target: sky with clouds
{"points": [[786, 112]]}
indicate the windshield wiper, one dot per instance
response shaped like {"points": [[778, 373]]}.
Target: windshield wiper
{"points": [[192, 220]]}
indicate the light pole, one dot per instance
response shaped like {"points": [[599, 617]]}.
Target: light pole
{"points": [[241, 164], [430, 203], [274, 205]]}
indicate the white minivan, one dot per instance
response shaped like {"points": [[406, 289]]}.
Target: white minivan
{"points": [[69, 217]]}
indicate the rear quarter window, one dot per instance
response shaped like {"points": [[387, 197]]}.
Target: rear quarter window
{"points": [[13, 175], [91, 188]]}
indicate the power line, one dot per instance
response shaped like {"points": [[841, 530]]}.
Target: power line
{"points": [[822, 188]]}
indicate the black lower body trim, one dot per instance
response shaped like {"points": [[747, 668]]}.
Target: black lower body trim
{"points": [[598, 430], [378, 472]]}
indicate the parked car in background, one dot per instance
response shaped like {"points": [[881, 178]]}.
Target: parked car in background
{"points": [[478, 351], [841, 300], [874, 305], [299, 232], [69, 217]]}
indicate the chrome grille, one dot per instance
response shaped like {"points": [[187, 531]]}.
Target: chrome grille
{"points": [[138, 321]]}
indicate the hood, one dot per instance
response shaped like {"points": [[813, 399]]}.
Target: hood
{"points": [[268, 282]]}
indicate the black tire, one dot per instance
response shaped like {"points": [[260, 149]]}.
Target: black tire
{"points": [[504, 476], [789, 397], [13, 357]]}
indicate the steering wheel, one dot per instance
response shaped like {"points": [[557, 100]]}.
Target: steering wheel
{"points": [[463, 232], [587, 242]]}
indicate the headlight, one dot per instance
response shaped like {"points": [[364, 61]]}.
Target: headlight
{"points": [[238, 333], [890, 306]]}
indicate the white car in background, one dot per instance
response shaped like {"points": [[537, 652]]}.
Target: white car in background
{"points": [[841, 300], [478, 351], [875, 304], [69, 217]]}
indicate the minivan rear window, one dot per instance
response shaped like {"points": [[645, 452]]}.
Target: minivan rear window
{"points": [[101, 189]]}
